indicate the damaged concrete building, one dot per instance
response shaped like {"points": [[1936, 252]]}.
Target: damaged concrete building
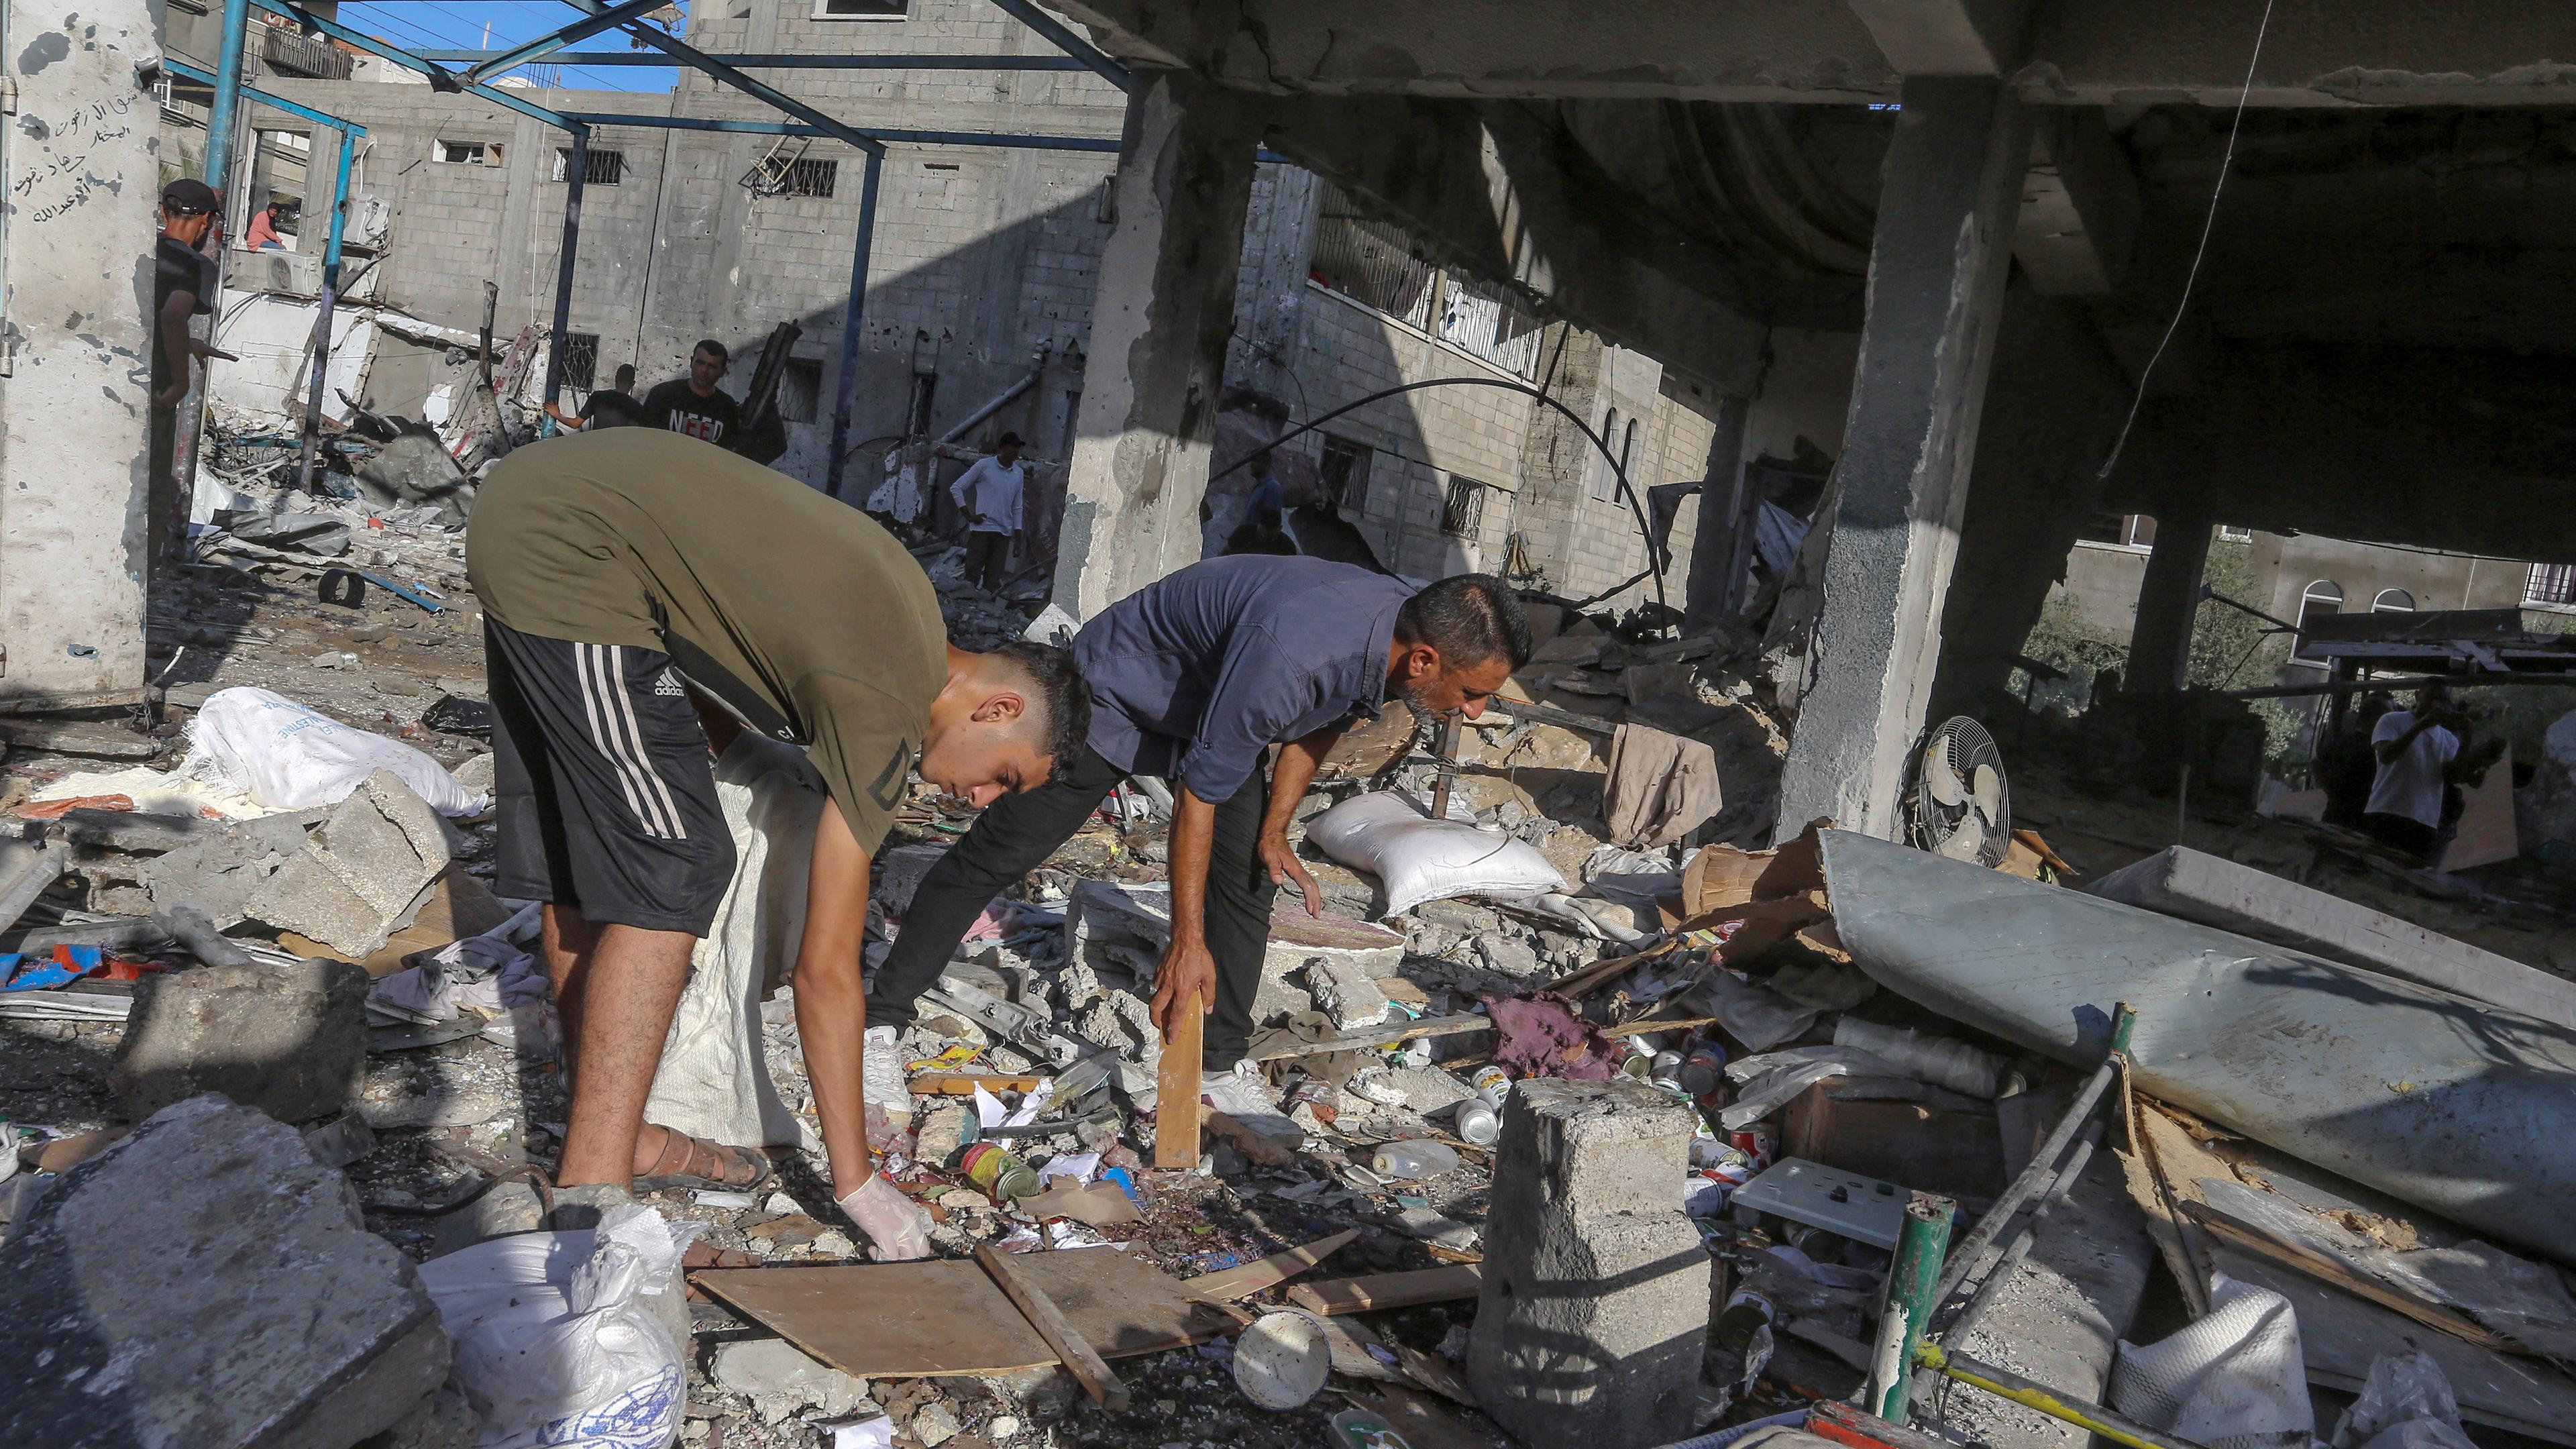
{"points": [[1832, 325]]}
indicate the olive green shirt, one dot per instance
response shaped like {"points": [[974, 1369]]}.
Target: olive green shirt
{"points": [[798, 612]]}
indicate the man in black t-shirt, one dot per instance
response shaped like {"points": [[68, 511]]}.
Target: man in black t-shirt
{"points": [[604, 408], [694, 404], [183, 288]]}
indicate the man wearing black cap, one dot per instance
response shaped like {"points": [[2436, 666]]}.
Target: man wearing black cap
{"points": [[183, 288]]}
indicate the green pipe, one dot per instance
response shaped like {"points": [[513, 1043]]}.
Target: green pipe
{"points": [[1912, 1294], [2003, 1383]]}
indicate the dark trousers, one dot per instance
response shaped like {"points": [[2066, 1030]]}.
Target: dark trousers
{"points": [[2404, 833], [1019, 832], [986, 555]]}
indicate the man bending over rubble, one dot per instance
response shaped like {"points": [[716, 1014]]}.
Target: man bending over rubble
{"points": [[621, 572], [1192, 678]]}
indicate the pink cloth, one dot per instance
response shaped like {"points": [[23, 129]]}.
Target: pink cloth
{"points": [[1540, 1036]]}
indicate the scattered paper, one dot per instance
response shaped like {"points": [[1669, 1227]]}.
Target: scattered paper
{"points": [[876, 1433], [1080, 1166]]}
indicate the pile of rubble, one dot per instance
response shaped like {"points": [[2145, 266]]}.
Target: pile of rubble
{"points": [[1719, 1088]]}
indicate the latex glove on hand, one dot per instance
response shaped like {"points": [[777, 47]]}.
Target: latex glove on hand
{"points": [[897, 1229]]}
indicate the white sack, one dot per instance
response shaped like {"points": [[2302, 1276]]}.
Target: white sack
{"points": [[555, 1341], [287, 757], [1417, 859], [2235, 1379]]}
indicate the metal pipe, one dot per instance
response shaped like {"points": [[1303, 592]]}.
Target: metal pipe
{"points": [[342, 124], [2005, 1384], [851, 317], [1966, 1323], [406, 59], [312, 465], [872, 136], [1910, 1301], [584, 29], [1037, 369], [2393, 685], [576, 174], [1065, 40], [2042, 1164], [228, 85], [777, 61]]}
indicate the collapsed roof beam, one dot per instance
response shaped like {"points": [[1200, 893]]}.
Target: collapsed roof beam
{"points": [[790, 128], [767, 61], [446, 79], [696, 59], [1056, 34], [584, 29]]}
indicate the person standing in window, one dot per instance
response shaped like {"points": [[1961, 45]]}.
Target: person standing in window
{"points": [[990, 494], [694, 404]]}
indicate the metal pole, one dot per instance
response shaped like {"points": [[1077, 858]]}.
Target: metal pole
{"points": [[2043, 1163], [2006, 1384], [1910, 1302], [576, 174], [228, 80], [1057, 35], [851, 316], [312, 472]]}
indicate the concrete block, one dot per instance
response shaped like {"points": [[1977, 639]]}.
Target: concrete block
{"points": [[357, 874], [1594, 1311], [780, 1379], [206, 1283], [444, 1420], [1346, 993], [290, 1041]]}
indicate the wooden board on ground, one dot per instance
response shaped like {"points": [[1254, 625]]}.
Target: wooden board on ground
{"points": [[1388, 1290], [2341, 1335], [1278, 1045], [946, 1316], [1245, 1279]]}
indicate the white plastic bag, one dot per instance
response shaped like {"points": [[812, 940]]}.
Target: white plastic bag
{"points": [[2406, 1403], [1764, 1084], [1936, 1059], [286, 757], [555, 1343], [2236, 1379], [1417, 859]]}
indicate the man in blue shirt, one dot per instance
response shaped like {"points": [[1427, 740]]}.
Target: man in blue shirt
{"points": [[1193, 678]]}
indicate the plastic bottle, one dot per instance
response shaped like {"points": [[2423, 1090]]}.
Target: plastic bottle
{"points": [[1414, 1157], [1703, 1069], [1477, 1122]]}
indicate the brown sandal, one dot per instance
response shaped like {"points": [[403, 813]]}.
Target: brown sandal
{"points": [[695, 1163]]}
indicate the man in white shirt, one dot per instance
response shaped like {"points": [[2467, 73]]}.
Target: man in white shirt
{"points": [[2415, 748], [990, 494]]}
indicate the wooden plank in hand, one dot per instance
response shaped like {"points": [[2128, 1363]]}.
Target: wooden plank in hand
{"points": [[1098, 1379], [1176, 1092]]}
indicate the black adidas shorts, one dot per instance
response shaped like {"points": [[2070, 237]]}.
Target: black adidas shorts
{"points": [[607, 793]]}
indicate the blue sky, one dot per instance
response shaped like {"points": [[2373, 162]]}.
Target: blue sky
{"points": [[461, 24]]}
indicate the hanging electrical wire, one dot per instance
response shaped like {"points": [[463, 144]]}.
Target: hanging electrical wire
{"points": [[1656, 561]]}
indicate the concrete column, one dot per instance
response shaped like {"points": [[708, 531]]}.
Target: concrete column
{"points": [[1718, 546], [2169, 600], [1593, 1316], [1936, 281], [75, 398], [1158, 334]]}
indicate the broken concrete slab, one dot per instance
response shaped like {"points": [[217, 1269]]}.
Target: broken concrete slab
{"points": [[290, 1041], [94, 738], [1593, 1314], [781, 1378], [1119, 932], [2218, 892], [221, 871], [206, 1283], [356, 876], [1345, 994]]}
